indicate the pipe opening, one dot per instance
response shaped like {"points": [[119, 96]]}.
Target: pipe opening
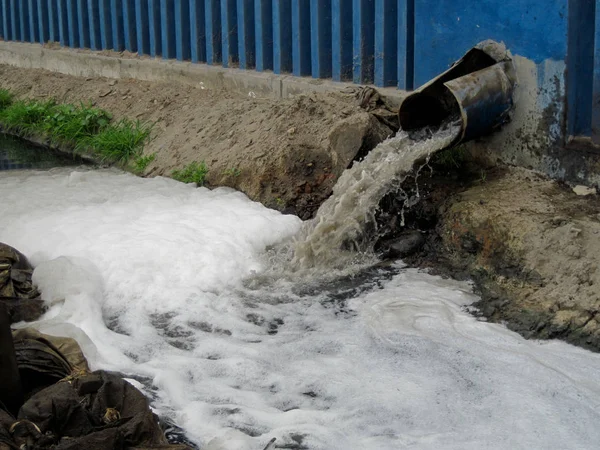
{"points": [[434, 103]]}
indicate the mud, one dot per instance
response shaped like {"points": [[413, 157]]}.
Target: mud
{"points": [[530, 245]]}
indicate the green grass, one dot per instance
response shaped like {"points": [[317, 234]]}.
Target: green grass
{"points": [[119, 142], [6, 98], [451, 158], [26, 117], [82, 127], [70, 124], [232, 172], [141, 163], [192, 173]]}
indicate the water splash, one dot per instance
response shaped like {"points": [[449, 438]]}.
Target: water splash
{"points": [[344, 224]]}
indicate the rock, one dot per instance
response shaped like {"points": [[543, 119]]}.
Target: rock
{"points": [[112, 82], [407, 243], [584, 190]]}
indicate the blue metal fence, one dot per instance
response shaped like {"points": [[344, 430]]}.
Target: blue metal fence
{"points": [[347, 40], [386, 42]]}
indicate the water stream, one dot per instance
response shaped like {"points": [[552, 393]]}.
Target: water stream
{"points": [[155, 280]]}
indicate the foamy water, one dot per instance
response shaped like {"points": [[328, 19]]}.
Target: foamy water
{"points": [[150, 275], [346, 220]]}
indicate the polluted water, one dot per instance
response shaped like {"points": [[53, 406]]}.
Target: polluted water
{"points": [[151, 276]]}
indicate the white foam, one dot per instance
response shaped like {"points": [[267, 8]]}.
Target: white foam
{"points": [[403, 366]]}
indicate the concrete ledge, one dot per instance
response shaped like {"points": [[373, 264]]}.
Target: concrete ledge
{"points": [[93, 64]]}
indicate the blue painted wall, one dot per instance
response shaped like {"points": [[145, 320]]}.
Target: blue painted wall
{"points": [[401, 43], [535, 29]]}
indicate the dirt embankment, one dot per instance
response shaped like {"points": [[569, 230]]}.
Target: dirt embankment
{"points": [[286, 154], [530, 244]]}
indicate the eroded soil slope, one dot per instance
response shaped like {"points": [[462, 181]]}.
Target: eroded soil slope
{"points": [[531, 245], [286, 154]]}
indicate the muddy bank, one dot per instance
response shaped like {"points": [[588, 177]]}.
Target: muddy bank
{"points": [[286, 154], [530, 245]]}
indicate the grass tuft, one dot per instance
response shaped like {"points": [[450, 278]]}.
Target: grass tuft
{"points": [[6, 98], [70, 124], [82, 127], [192, 173], [141, 163], [119, 142], [26, 117], [451, 158]]}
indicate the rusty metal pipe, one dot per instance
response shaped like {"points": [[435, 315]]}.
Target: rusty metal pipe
{"points": [[477, 90]]}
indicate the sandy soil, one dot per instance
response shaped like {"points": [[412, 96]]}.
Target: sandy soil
{"points": [[286, 154]]}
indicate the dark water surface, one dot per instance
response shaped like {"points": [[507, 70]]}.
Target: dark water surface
{"points": [[16, 154]]}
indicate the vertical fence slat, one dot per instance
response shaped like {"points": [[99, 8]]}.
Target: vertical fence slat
{"points": [[43, 23], [105, 18], [23, 21], [2, 35], [73, 29], [63, 30], [93, 10], [14, 20], [363, 16], [596, 79], [229, 30], [142, 27], [53, 31], [320, 38], [406, 44], [83, 24], [301, 37], [33, 21], [282, 36], [167, 29], [6, 25], [212, 21], [182, 30], [154, 28], [129, 26], [341, 40], [263, 14], [116, 24], [197, 31], [386, 42], [403, 50], [246, 33]]}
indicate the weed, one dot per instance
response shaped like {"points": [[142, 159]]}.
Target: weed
{"points": [[82, 127], [141, 162], [119, 142], [483, 176], [451, 158], [6, 98], [26, 117], [70, 124], [192, 173], [232, 172]]}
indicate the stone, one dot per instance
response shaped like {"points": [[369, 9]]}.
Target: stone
{"points": [[406, 244], [584, 190]]}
